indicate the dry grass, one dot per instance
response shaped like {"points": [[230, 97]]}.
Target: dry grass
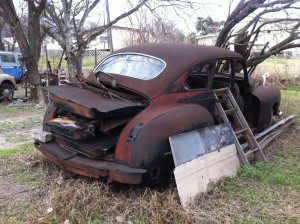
{"points": [[286, 70], [32, 190]]}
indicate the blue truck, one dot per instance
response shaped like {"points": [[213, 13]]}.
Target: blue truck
{"points": [[11, 64]]}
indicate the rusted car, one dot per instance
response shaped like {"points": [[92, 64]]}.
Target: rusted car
{"points": [[116, 122]]}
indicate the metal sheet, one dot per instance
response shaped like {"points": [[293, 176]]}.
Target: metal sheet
{"points": [[188, 146], [91, 100]]}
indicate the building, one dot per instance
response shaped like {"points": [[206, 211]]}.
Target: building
{"points": [[121, 37], [209, 39], [271, 34]]}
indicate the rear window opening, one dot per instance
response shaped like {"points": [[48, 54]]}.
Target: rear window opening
{"points": [[132, 65]]}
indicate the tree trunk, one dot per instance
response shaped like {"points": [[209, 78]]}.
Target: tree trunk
{"points": [[72, 65], [35, 81], [2, 47]]}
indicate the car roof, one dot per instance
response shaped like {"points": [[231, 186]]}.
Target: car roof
{"points": [[178, 58], [10, 52]]}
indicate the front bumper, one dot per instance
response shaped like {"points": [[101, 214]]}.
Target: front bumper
{"points": [[89, 167]]}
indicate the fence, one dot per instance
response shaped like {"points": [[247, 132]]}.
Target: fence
{"points": [[90, 59]]}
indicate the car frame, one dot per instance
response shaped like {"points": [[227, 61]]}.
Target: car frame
{"points": [[146, 113]]}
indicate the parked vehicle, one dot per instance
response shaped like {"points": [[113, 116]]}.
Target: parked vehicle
{"points": [[7, 86], [117, 122], [11, 65]]}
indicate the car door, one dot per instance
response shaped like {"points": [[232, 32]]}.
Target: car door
{"points": [[198, 85]]}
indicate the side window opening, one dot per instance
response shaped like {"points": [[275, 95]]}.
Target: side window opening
{"points": [[222, 77], [224, 67], [239, 69], [8, 58], [200, 77]]}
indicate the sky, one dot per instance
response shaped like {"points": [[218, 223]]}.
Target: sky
{"points": [[217, 9]]}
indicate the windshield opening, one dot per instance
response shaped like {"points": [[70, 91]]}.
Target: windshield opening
{"points": [[132, 65]]}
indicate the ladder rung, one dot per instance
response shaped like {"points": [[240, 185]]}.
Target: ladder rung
{"points": [[230, 111], [251, 151], [240, 131], [220, 90], [222, 101]]}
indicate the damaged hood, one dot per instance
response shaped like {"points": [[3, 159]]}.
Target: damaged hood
{"points": [[90, 104]]}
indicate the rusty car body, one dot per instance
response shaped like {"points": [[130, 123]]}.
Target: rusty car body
{"points": [[116, 122]]}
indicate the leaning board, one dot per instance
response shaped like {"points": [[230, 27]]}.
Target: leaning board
{"points": [[202, 156]]}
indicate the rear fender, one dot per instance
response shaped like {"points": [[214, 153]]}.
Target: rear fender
{"points": [[151, 145]]}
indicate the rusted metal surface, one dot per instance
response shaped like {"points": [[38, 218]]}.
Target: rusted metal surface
{"points": [[89, 104], [133, 132], [89, 167], [94, 148]]}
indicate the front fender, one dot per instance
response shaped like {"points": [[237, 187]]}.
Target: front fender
{"points": [[267, 97]]}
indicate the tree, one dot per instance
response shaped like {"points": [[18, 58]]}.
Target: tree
{"points": [[155, 30], [67, 24], [254, 17], [29, 40], [191, 38], [207, 25], [2, 25]]}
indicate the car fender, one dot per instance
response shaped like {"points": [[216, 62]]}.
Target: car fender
{"points": [[157, 124], [267, 96], [7, 78]]}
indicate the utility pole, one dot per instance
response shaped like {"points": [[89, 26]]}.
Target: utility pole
{"points": [[109, 35]]}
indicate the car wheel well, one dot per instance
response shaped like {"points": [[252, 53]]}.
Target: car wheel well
{"points": [[275, 108], [7, 82]]}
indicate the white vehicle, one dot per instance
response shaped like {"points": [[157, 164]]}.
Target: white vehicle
{"points": [[7, 86]]}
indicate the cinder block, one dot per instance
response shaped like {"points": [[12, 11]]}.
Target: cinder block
{"points": [[42, 136]]}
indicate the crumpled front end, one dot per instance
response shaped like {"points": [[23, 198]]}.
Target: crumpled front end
{"points": [[84, 129]]}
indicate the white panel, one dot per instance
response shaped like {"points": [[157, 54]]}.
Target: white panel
{"points": [[194, 176]]}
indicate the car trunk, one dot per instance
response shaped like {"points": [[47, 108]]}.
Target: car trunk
{"points": [[87, 121]]}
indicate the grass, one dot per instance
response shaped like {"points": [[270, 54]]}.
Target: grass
{"points": [[27, 147], [268, 193], [272, 174], [19, 124]]}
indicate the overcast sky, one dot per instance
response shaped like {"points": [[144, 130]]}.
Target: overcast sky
{"points": [[217, 9]]}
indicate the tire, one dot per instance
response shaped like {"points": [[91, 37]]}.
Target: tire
{"points": [[8, 90]]}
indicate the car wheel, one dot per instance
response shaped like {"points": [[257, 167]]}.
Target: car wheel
{"points": [[6, 92]]}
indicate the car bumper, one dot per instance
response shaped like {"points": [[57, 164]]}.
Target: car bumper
{"points": [[89, 167]]}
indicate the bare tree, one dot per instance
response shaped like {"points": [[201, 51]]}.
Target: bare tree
{"points": [[2, 25], [153, 30], [29, 42], [258, 13], [67, 24]]}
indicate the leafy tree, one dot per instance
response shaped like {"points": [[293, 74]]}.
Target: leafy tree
{"points": [[207, 25]]}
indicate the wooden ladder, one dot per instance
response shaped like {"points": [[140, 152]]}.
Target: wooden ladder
{"points": [[224, 97]]}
